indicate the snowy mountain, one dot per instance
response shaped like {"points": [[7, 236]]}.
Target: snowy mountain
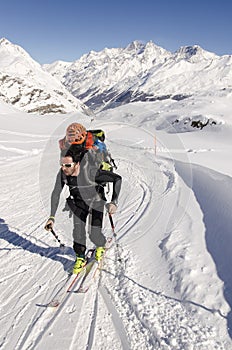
{"points": [[27, 86], [144, 72], [166, 284], [112, 77]]}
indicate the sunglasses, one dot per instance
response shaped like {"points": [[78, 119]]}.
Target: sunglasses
{"points": [[67, 165]]}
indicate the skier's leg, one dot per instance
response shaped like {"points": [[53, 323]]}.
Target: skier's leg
{"points": [[79, 231], [96, 234]]}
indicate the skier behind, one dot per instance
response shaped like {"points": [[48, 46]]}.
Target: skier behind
{"points": [[86, 186]]}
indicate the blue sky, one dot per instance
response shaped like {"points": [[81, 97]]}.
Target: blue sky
{"points": [[51, 30]]}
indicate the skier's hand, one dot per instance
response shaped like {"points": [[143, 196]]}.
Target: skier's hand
{"points": [[49, 224], [111, 208]]}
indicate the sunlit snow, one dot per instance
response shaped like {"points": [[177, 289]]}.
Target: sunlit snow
{"points": [[166, 283]]}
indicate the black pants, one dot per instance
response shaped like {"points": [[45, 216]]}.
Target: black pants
{"points": [[94, 211]]}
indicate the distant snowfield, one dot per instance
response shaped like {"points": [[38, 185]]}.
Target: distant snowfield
{"points": [[167, 282]]}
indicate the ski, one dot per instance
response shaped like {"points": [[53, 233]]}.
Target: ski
{"points": [[82, 281], [89, 278], [73, 282], [96, 266]]}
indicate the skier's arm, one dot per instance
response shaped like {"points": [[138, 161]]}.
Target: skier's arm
{"points": [[103, 176], [55, 197]]}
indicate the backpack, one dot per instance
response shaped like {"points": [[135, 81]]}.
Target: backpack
{"points": [[87, 140]]}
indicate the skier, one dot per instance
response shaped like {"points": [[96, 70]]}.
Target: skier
{"points": [[86, 186]]}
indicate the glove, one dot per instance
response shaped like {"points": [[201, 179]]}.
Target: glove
{"points": [[50, 223], [111, 208]]}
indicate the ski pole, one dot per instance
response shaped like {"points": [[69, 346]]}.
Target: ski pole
{"points": [[117, 255], [57, 238], [112, 224]]}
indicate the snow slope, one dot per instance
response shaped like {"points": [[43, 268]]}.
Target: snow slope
{"points": [[166, 284]]}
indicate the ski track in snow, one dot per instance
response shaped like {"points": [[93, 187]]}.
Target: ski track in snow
{"points": [[118, 311]]}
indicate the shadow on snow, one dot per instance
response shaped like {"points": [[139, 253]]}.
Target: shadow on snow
{"points": [[53, 253]]}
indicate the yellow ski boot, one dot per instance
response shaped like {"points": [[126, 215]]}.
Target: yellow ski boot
{"points": [[99, 252], [79, 264]]}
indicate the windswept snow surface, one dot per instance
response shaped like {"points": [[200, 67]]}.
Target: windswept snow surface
{"points": [[166, 283]]}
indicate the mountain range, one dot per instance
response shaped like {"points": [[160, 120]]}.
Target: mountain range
{"points": [[111, 77]]}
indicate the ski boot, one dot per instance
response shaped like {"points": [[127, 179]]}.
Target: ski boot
{"points": [[99, 252], [79, 264]]}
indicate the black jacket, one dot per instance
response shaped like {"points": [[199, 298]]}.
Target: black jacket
{"points": [[87, 186]]}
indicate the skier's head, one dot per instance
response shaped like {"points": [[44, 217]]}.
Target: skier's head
{"points": [[70, 165], [70, 159], [75, 134]]}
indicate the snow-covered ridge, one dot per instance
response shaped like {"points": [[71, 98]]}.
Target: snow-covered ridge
{"points": [[111, 77], [26, 85], [143, 72], [194, 54]]}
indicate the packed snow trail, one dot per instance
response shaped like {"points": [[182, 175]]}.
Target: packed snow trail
{"points": [[146, 283]]}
